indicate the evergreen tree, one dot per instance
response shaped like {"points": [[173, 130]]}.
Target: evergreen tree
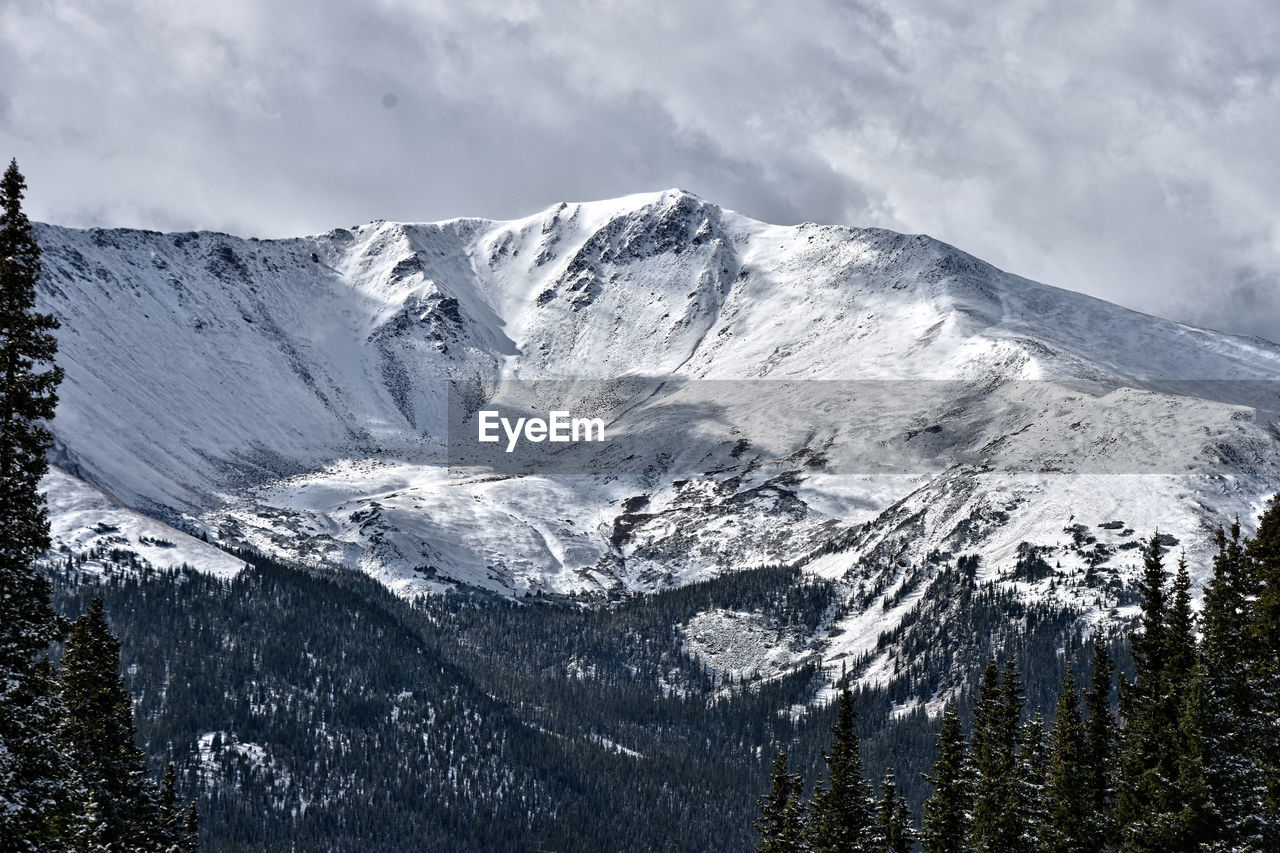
{"points": [[842, 819], [1031, 813], [174, 829], [1197, 826], [894, 818], [1146, 804], [947, 818], [98, 732], [1263, 554], [28, 397], [1068, 799], [999, 797], [33, 794], [86, 831], [992, 765], [781, 824], [1221, 758], [1099, 744], [1148, 643], [1179, 652], [191, 830]]}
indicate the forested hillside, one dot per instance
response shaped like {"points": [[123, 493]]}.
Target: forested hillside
{"points": [[315, 706]]}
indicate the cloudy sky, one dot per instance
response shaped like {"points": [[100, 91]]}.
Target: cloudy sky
{"points": [[1123, 149]]}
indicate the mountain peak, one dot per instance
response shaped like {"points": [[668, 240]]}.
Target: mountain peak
{"points": [[207, 373]]}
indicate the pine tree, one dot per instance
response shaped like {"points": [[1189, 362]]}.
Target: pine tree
{"points": [[1179, 635], [1068, 798], [1263, 555], [781, 824], [167, 831], [1146, 797], [1218, 714], [1197, 825], [999, 804], [98, 732], [29, 396], [191, 830], [989, 759], [86, 831], [894, 818], [1148, 644], [1100, 742], [33, 794], [843, 814], [173, 829], [1031, 813], [947, 818]]}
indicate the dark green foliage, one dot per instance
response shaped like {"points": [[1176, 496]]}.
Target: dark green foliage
{"points": [[782, 819], [1032, 814], [999, 796], [70, 774], [1194, 822], [33, 793], [1263, 554], [1067, 794], [946, 824], [97, 731], [1099, 747], [116, 804], [842, 817], [1179, 638], [1221, 766], [28, 395], [1146, 794], [894, 818], [173, 827]]}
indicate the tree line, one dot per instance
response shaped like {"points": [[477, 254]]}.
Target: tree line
{"points": [[1183, 756], [71, 776]]}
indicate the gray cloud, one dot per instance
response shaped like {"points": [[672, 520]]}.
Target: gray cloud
{"points": [[1125, 150]]}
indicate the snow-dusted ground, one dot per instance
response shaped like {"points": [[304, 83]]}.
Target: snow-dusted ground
{"points": [[770, 392], [82, 519]]}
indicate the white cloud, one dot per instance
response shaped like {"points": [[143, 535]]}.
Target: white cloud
{"points": [[1125, 150]]}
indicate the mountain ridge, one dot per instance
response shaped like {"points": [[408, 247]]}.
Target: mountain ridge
{"points": [[808, 386]]}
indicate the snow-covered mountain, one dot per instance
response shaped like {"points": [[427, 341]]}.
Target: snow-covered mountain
{"points": [[854, 400]]}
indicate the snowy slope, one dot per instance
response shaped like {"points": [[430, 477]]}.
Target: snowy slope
{"points": [[813, 394], [86, 522]]}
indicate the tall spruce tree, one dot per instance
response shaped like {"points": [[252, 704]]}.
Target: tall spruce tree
{"points": [[1146, 803], [782, 821], [1197, 826], [999, 796], [98, 735], [173, 829], [1179, 642], [947, 812], [33, 795], [842, 818], [894, 817], [1263, 555], [1068, 799], [992, 764], [1031, 813], [1220, 707], [1099, 743], [1148, 643]]}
